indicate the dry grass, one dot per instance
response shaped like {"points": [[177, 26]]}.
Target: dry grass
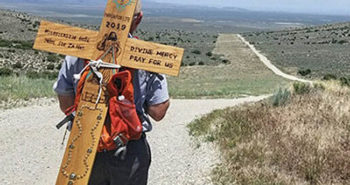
{"points": [[245, 75], [304, 141], [24, 88]]}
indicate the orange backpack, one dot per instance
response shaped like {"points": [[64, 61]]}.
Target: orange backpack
{"points": [[122, 123]]}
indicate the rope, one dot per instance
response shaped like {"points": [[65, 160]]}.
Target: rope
{"points": [[95, 66]]}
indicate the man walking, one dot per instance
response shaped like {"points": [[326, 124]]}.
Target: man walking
{"points": [[151, 99]]}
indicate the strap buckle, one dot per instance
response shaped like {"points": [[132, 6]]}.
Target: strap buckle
{"points": [[120, 142]]}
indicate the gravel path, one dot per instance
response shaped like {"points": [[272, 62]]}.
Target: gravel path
{"points": [[268, 63], [30, 149]]}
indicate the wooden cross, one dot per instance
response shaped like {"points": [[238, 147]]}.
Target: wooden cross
{"points": [[82, 145]]}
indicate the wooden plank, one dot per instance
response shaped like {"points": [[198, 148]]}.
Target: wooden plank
{"points": [[83, 141], [114, 32], [65, 40], [115, 27], [152, 57]]}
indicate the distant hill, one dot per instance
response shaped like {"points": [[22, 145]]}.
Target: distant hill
{"points": [[227, 19], [86, 2]]}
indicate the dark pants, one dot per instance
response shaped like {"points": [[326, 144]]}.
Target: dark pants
{"points": [[133, 170]]}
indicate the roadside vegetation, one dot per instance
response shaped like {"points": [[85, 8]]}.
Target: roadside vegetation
{"points": [[299, 136], [24, 88]]}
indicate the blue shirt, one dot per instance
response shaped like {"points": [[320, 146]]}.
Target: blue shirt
{"points": [[149, 88]]}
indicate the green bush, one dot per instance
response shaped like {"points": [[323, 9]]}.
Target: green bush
{"points": [[344, 81], [196, 52], [304, 72], [343, 42], [301, 88], [5, 72], [52, 58], [225, 61], [50, 67], [192, 64], [329, 77], [209, 54], [18, 65], [5, 43], [16, 44], [59, 66], [281, 97]]}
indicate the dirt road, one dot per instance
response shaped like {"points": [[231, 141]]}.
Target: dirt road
{"points": [[31, 152], [268, 63]]}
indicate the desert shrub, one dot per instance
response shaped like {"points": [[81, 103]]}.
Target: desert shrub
{"points": [[52, 58], [150, 39], [1, 56], [344, 81], [50, 75], [17, 65], [225, 61], [11, 51], [5, 43], [281, 97], [6, 71], [201, 63], [304, 72], [50, 67], [209, 54], [343, 42], [196, 52], [301, 88], [33, 74], [24, 45], [59, 66], [329, 77], [192, 63]]}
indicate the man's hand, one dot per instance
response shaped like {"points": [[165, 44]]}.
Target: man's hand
{"points": [[65, 102], [157, 112]]}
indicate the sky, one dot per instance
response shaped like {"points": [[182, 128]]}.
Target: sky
{"points": [[336, 7]]}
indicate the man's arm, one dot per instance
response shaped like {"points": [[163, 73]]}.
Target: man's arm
{"points": [[157, 112], [65, 102]]}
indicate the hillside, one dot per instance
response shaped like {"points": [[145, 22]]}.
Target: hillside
{"points": [[314, 52], [300, 136]]}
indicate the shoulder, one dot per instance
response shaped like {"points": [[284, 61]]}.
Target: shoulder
{"points": [[149, 76], [70, 60], [73, 63]]}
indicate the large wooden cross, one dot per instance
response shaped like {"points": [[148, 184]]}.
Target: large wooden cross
{"points": [[82, 145]]}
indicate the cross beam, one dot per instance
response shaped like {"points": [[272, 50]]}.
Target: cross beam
{"points": [[82, 144], [87, 44]]}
